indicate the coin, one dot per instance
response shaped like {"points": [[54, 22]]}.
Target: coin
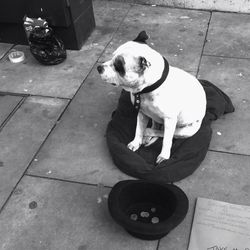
{"points": [[155, 220], [153, 209], [133, 217], [144, 214]]}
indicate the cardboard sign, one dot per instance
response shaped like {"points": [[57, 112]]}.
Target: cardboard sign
{"points": [[219, 225]]}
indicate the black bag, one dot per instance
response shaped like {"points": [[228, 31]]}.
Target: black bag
{"points": [[46, 47]]}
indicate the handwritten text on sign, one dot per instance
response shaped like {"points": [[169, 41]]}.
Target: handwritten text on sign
{"points": [[224, 248]]}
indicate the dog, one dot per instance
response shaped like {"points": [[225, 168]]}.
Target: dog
{"points": [[168, 95]]}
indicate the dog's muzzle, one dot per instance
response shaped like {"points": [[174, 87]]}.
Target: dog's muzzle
{"points": [[100, 69]]}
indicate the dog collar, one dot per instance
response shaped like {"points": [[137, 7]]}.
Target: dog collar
{"points": [[153, 86]]}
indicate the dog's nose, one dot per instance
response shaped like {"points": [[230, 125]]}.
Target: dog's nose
{"points": [[100, 69]]}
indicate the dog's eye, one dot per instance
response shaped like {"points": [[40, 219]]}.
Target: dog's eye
{"points": [[143, 64], [119, 65]]}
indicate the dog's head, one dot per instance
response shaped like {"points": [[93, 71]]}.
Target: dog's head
{"points": [[129, 65]]}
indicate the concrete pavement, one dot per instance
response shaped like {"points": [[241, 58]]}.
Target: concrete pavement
{"points": [[55, 169]]}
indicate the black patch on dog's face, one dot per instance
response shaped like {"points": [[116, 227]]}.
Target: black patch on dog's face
{"points": [[119, 65], [143, 64]]}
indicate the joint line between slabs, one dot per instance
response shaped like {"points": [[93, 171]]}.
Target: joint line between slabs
{"points": [[229, 153], [65, 180], [227, 57], [204, 43], [12, 113]]}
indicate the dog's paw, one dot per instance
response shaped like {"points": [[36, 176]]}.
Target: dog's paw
{"points": [[162, 158], [134, 145]]}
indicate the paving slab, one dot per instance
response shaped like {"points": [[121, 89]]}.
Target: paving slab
{"points": [[108, 16], [221, 5], [22, 136], [4, 48], [228, 35], [7, 105], [77, 150], [221, 176], [63, 80], [178, 34], [30, 77], [230, 132], [51, 215]]}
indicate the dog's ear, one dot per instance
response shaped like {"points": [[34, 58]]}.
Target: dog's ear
{"points": [[143, 64], [142, 37]]}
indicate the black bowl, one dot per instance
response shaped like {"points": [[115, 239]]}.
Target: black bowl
{"points": [[147, 210]]}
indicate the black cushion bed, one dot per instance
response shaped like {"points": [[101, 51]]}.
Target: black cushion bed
{"points": [[186, 154]]}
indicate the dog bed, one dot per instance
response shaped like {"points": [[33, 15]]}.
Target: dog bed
{"points": [[186, 154]]}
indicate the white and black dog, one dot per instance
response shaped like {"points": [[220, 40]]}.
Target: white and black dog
{"points": [[166, 94]]}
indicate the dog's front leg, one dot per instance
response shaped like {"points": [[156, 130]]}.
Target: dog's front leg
{"points": [[169, 129], [142, 122]]}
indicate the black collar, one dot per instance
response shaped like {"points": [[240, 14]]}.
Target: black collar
{"points": [[153, 86]]}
